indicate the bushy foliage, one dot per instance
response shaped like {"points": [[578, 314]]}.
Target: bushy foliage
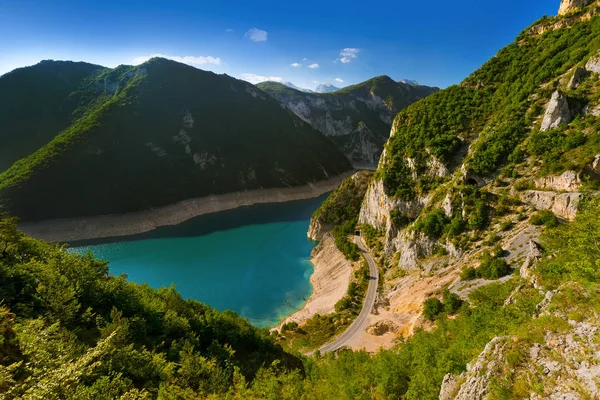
{"points": [[343, 204], [489, 109], [492, 266], [432, 224], [450, 304], [574, 248], [67, 329], [544, 217], [345, 245], [432, 307]]}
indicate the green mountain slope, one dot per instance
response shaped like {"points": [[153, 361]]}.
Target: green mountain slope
{"points": [[357, 118], [69, 330], [160, 133], [35, 105]]}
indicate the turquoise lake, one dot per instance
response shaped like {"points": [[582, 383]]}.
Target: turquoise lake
{"points": [[253, 260]]}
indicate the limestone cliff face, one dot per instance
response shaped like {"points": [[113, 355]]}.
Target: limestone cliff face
{"points": [[557, 112], [356, 118], [568, 181], [568, 6], [564, 205], [317, 229]]}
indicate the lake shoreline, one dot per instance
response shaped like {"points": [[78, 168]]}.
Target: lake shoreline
{"points": [[329, 281], [109, 226]]}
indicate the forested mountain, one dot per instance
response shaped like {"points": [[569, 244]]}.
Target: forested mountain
{"points": [[357, 118], [36, 103], [484, 216], [155, 134]]}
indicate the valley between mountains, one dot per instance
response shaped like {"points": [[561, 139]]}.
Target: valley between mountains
{"points": [[481, 219]]}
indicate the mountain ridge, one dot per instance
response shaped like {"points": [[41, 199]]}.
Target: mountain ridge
{"points": [[145, 125], [357, 117]]}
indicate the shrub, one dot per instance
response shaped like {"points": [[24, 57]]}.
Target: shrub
{"points": [[497, 251], [468, 274], [544, 217], [522, 184], [433, 224], [452, 302], [506, 226], [432, 308], [492, 267]]}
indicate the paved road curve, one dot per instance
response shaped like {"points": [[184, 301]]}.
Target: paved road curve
{"points": [[360, 323]]}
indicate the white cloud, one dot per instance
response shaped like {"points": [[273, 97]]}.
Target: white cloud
{"points": [[347, 54], [315, 81], [257, 35], [304, 59], [296, 65], [190, 60], [254, 79], [228, 30], [340, 80], [313, 66]]}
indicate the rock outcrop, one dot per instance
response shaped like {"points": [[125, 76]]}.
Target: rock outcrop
{"points": [[411, 246], [596, 164], [316, 229], [377, 206], [564, 205], [478, 378], [577, 77], [568, 6], [569, 181], [533, 255], [593, 64], [382, 327], [557, 112]]}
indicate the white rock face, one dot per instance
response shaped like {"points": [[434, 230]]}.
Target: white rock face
{"points": [[410, 246], [377, 206], [593, 65], [316, 229], [592, 110], [568, 6], [577, 78], [557, 112], [564, 205], [480, 375], [569, 181], [596, 164], [436, 168]]}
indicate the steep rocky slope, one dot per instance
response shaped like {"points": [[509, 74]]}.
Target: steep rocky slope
{"points": [[357, 118], [471, 181], [160, 133]]}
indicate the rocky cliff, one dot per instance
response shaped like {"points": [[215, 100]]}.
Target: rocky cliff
{"points": [[569, 6], [357, 118], [469, 180]]}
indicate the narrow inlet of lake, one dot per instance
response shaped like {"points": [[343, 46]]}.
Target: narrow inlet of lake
{"points": [[252, 260]]}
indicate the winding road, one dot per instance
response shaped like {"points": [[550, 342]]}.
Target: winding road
{"points": [[360, 323]]}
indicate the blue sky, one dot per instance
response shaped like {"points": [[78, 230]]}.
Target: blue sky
{"points": [[436, 42]]}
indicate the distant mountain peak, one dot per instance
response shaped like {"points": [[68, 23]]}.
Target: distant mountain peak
{"points": [[410, 82], [291, 85], [326, 88]]}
